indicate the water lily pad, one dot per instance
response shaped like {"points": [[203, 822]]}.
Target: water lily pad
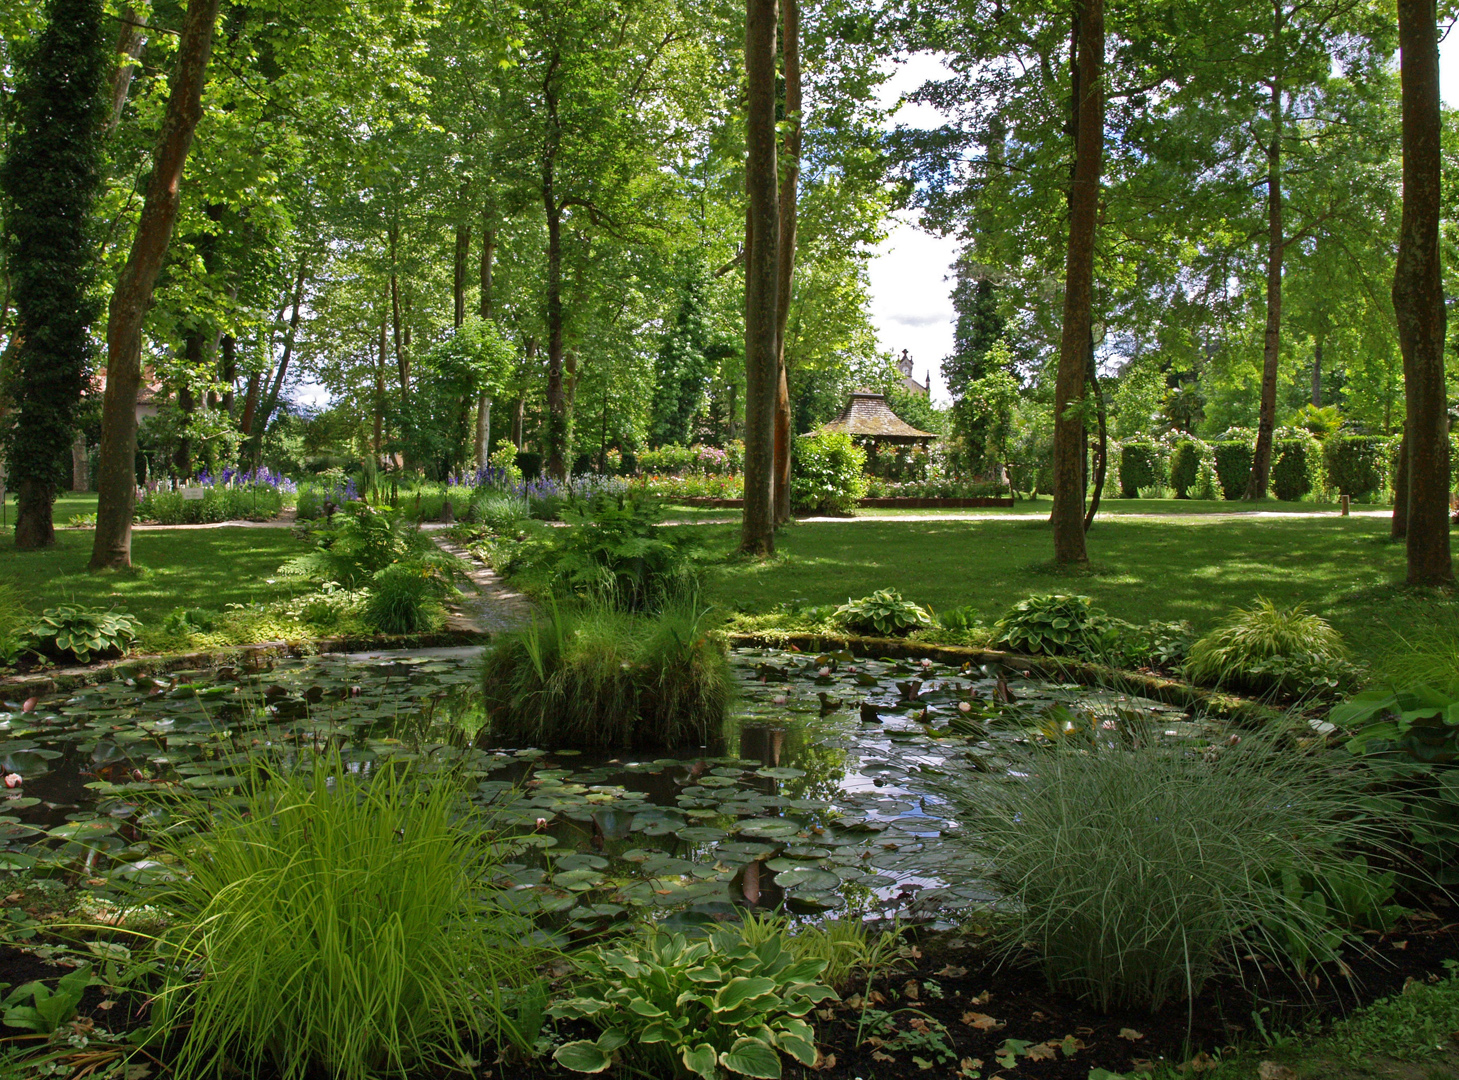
{"points": [[770, 827], [812, 880]]}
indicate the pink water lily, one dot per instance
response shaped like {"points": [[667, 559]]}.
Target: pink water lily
{"points": [[12, 780]]}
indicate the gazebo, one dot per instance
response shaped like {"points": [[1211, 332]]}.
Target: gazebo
{"points": [[869, 420]]}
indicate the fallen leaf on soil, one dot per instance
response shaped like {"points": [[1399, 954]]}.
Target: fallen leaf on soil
{"points": [[826, 1014], [824, 1062], [877, 1055], [1202, 1062], [1270, 1070], [1131, 1034], [983, 998], [1399, 944], [1041, 1052], [1072, 1046], [1038, 1017], [951, 971], [970, 1065], [1143, 1065], [912, 990], [981, 1021]]}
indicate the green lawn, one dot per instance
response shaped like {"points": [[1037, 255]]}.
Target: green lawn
{"points": [[1182, 567], [67, 503], [205, 568]]}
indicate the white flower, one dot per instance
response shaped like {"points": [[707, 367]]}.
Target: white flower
{"points": [[824, 672], [779, 699], [963, 706]]}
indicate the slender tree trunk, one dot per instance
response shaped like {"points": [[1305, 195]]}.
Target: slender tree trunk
{"points": [[458, 275], [1088, 104], [761, 270], [131, 40], [250, 405], [483, 400], [80, 471], [116, 474], [519, 410], [1399, 527], [790, 39], [1101, 461], [258, 426], [182, 456], [228, 370], [1261, 458], [381, 365], [1418, 300], [1317, 374]]}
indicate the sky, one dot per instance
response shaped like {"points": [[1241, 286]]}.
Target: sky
{"points": [[910, 275]]}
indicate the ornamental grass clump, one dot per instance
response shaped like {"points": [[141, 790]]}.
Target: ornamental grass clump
{"points": [[335, 925], [1265, 648], [596, 676], [1135, 873]]}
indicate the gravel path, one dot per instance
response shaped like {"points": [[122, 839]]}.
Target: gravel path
{"points": [[493, 608]]}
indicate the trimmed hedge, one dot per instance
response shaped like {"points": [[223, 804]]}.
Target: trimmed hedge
{"points": [[1294, 469], [1185, 468], [1355, 463], [1140, 467], [1233, 467]]}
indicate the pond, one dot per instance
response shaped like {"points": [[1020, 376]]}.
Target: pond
{"points": [[826, 799]]}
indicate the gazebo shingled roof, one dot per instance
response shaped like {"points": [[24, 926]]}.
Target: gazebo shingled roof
{"points": [[868, 415]]}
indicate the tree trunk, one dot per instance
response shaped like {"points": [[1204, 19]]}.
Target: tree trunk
{"points": [[761, 270], [1088, 105], [790, 39], [458, 275], [1261, 458], [131, 40], [182, 457], [483, 400], [1317, 374], [250, 404], [116, 474], [381, 364], [228, 370], [258, 426], [1418, 300], [1399, 527], [1101, 461]]}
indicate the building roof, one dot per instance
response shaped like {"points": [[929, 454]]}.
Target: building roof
{"points": [[868, 414]]}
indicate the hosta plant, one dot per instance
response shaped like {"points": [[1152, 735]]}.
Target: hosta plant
{"points": [[704, 1008], [883, 612], [1055, 624], [81, 632]]}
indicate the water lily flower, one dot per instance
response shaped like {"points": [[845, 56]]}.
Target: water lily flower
{"points": [[779, 699], [12, 780], [824, 672], [963, 706], [926, 663]]}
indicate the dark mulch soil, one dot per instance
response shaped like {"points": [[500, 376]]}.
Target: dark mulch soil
{"points": [[951, 1002]]}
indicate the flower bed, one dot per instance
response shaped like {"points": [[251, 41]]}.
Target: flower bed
{"points": [[910, 503]]}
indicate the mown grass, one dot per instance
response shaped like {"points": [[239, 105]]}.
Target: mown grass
{"points": [[1192, 567], [194, 568]]}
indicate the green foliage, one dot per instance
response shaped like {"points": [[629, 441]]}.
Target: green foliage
{"points": [[1053, 624], [13, 620], [1132, 871], [1267, 648], [883, 612], [687, 357], [1355, 463], [615, 549], [82, 632], [1320, 421], [1427, 655], [338, 924], [596, 676], [1141, 466], [357, 543], [1185, 466], [703, 1008], [50, 179], [405, 597], [252, 502], [1233, 466], [1414, 1025], [827, 474], [499, 511], [850, 951], [48, 1009], [1296, 465]]}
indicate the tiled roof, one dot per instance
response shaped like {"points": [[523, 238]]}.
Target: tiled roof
{"points": [[868, 413]]}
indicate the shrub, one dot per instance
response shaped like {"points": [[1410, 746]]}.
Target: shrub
{"points": [[339, 925], [1267, 648], [1140, 467], [848, 948], [599, 677], [1233, 466], [1185, 465], [405, 597], [702, 1008], [499, 511], [81, 632], [828, 473], [357, 543], [615, 551], [1295, 468], [1354, 463], [1134, 871], [883, 612], [1055, 624], [528, 464]]}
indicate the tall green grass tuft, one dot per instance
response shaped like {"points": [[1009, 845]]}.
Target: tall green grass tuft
{"points": [[1136, 873], [1267, 648], [1427, 657], [338, 924], [13, 621], [850, 950], [596, 676]]}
